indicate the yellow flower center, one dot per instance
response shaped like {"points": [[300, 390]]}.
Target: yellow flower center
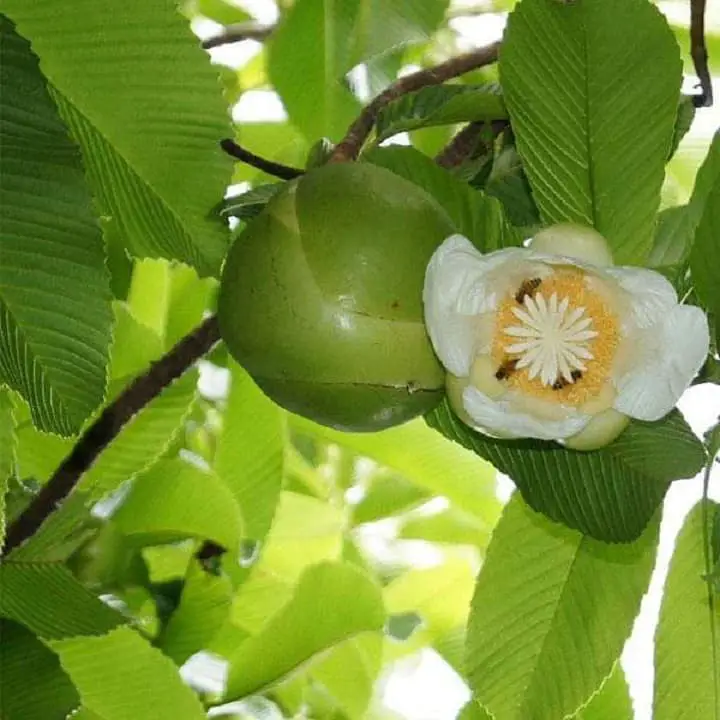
{"points": [[555, 338]]}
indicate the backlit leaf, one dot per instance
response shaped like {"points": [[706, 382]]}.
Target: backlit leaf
{"points": [[310, 623], [687, 639], [250, 452], [121, 677]]}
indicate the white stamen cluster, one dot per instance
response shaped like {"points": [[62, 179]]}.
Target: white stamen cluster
{"points": [[552, 339]]}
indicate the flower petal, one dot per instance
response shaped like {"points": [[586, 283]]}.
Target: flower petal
{"points": [[672, 356], [652, 295], [498, 418], [457, 290]]}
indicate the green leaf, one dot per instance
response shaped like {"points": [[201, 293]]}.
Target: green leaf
{"points": [[388, 494], [309, 55], [204, 607], [609, 494], [55, 318], [305, 531], [143, 439], [449, 526], [33, 685], [384, 26], [51, 603], [250, 452], [278, 141], [135, 346], [705, 256], [309, 624], [551, 612], [149, 293], [687, 639], [676, 227], [683, 121], [612, 701], [121, 677], [189, 298], [440, 597], [439, 105], [473, 711], [148, 119], [8, 443], [175, 500], [225, 12], [425, 459], [258, 599], [250, 203], [592, 91], [509, 184], [349, 671], [479, 217], [137, 446]]}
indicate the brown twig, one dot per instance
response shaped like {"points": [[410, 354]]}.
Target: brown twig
{"points": [[349, 147], [238, 33], [699, 54], [470, 142], [284, 172], [106, 428]]}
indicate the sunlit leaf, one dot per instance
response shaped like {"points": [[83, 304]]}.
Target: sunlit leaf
{"points": [[175, 500], [349, 671], [310, 623], [387, 494], [705, 256], [121, 677], [550, 615], [250, 452], [204, 607], [304, 532], [423, 458], [612, 701], [687, 639], [55, 316], [440, 597], [676, 228], [8, 442], [592, 91]]}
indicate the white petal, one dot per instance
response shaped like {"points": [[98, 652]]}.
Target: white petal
{"points": [[652, 295], [654, 385], [497, 417], [456, 292]]}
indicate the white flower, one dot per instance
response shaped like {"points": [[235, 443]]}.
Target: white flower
{"points": [[553, 342]]}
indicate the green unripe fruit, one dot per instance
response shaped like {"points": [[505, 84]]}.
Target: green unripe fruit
{"points": [[321, 297]]}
